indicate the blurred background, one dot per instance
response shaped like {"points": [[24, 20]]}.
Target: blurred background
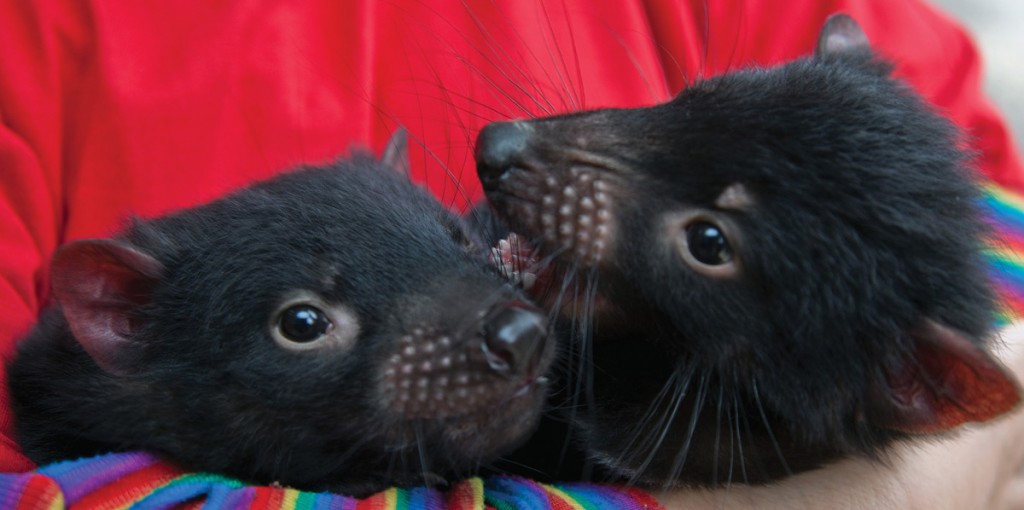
{"points": [[998, 28]]}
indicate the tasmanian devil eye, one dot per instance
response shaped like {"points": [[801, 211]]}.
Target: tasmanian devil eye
{"points": [[707, 243], [303, 323]]}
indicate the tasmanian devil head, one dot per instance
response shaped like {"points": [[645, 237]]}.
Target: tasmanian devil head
{"points": [[330, 328], [777, 267]]}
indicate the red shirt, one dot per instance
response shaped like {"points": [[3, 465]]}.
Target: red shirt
{"points": [[117, 108]]}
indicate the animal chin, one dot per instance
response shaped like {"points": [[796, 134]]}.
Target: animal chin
{"points": [[498, 430], [517, 399], [484, 431]]}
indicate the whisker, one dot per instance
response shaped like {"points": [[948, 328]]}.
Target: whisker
{"points": [[732, 444], [668, 418], [718, 438], [738, 416], [496, 50], [562, 80], [698, 406], [546, 108], [640, 440], [421, 450], [590, 295], [651, 92], [768, 427], [461, 191]]}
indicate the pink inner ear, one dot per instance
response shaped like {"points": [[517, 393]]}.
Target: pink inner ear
{"points": [[841, 33], [99, 284], [949, 382], [396, 154]]}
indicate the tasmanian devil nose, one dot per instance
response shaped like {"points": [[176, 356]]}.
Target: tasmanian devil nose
{"points": [[497, 148], [514, 338]]}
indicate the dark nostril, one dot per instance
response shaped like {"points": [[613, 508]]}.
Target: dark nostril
{"points": [[498, 147], [514, 338]]}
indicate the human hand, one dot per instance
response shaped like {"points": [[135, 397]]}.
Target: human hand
{"points": [[980, 466]]}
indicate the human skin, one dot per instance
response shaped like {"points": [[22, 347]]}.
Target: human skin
{"points": [[977, 467]]}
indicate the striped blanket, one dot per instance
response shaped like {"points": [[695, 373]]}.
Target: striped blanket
{"points": [[141, 481]]}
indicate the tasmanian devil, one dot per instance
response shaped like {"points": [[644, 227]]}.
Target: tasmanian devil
{"points": [[331, 328], [774, 269]]}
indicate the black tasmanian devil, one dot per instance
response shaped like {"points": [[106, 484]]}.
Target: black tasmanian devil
{"points": [[774, 269], [331, 328]]}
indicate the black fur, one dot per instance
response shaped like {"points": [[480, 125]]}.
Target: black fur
{"points": [[213, 391], [857, 227]]}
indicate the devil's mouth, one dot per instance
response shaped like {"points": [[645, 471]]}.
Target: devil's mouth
{"points": [[515, 396], [568, 212], [513, 177]]}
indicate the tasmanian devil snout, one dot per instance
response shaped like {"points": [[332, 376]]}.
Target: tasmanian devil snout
{"points": [[514, 338], [498, 147]]}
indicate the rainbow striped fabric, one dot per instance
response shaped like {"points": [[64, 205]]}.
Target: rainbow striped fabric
{"points": [[1006, 255], [141, 481]]}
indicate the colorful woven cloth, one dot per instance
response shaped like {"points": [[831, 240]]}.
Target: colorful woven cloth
{"points": [[1006, 256], [141, 481]]}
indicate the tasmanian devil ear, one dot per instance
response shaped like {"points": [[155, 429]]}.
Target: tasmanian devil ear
{"points": [[99, 285], [946, 381], [396, 154], [841, 34]]}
